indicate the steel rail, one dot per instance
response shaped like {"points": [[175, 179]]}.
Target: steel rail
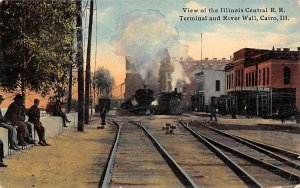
{"points": [[270, 167], [255, 146], [271, 150], [107, 172], [179, 172], [284, 152], [242, 174]]}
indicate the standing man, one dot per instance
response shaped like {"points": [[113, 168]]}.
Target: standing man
{"points": [[102, 116], [34, 115], [12, 131], [213, 110]]}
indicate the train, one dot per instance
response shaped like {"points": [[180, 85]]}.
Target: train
{"points": [[167, 103], [140, 102], [145, 102], [103, 103]]}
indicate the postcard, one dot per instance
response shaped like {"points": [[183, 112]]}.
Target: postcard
{"points": [[149, 93]]}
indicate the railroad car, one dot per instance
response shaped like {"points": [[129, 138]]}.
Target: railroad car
{"points": [[103, 103]]}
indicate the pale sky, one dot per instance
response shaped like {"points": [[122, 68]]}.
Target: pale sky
{"points": [[221, 38]]}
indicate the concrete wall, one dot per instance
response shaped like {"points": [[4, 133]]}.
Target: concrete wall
{"points": [[4, 138], [52, 124]]}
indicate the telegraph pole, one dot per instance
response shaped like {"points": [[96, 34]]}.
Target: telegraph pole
{"points": [[79, 58], [88, 65]]}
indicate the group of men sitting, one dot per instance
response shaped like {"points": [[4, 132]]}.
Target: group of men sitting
{"points": [[20, 133]]}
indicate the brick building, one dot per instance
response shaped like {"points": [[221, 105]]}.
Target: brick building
{"points": [[263, 80], [133, 80]]}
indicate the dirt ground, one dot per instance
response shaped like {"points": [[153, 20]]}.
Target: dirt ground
{"points": [[74, 159]]}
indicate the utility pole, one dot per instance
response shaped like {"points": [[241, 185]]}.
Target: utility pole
{"points": [[88, 65], [79, 58]]}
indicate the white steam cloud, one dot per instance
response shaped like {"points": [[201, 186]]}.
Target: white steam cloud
{"points": [[178, 77], [143, 35]]}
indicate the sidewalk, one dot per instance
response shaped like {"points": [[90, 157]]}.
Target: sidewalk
{"points": [[74, 159], [242, 120]]}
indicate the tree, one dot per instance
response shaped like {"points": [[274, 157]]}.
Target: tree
{"points": [[104, 82], [37, 43]]}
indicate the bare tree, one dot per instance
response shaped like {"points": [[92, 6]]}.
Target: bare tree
{"points": [[104, 82]]}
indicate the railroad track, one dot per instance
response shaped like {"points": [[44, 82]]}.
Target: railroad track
{"points": [[257, 164], [138, 160], [202, 165]]}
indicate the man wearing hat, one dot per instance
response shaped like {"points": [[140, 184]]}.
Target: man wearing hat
{"points": [[34, 117], [13, 114], [12, 131]]}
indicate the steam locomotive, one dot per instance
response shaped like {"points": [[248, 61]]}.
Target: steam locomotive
{"points": [[144, 101], [140, 102], [167, 103], [103, 103]]}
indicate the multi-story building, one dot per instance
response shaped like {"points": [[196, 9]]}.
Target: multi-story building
{"points": [[165, 73], [209, 84], [133, 80], [190, 66], [263, 80], [192, 94]]}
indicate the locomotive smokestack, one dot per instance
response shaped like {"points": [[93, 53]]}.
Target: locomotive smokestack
{"points": [[175, 90]]}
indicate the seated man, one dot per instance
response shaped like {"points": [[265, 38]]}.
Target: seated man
{"points": [[34, 117], [14, 114], [58, 112], [2, 164], [12, 131]]}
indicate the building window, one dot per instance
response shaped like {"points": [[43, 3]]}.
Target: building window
{"points": [[168, 75], [217, 85], [253, 78], [268, 75], [264, 76], [287, 75], [235, 78], [231, 80], [242, 77], [249, 75], [259, 77], [228, 82]]}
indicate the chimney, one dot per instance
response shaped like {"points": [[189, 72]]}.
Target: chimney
{"points": [[215, 59], [175, 90], [298, 49], [278, 49], [286, 49]]}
